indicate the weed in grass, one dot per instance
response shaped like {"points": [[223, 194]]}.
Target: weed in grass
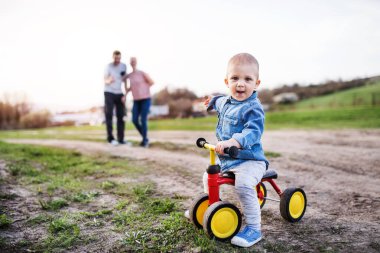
{"points": [[160, 206], [97, 214], [142, 192], [123, 219], [53, 205], [5, 221], [39, 179], [63, 234], [60, 225], [84, 197], [39, 219], [121, 204], [106, 185], [22, 169]]}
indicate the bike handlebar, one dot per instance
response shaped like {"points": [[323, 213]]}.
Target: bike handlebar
{"points": [[231, 151]]}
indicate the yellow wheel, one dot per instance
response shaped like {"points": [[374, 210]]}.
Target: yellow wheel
{"points": [[293, 204], [198, 209], [263, 191], [222, 221]]}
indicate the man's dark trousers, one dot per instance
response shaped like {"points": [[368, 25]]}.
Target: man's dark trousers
{"points": [[114, 100]]}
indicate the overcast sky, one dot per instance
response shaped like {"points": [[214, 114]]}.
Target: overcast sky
{"points": [[56, 51]]}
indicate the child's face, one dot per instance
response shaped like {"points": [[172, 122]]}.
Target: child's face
{"points": [[242, 80]]}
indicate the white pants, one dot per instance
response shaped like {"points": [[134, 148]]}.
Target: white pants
{"points": [[247, 176]]}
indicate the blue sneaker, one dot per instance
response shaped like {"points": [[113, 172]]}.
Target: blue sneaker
{"points": [[246, 238]]}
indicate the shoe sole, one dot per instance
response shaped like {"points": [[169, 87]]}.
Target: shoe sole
{"points": [[245, 244]]}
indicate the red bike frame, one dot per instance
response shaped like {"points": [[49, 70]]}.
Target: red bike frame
{"points": [[216, 180]]}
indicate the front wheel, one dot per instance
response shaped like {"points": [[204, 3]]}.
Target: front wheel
{"points": [[293, 204], [222, 221], [198, 209]]}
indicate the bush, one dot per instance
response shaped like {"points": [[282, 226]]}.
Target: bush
{"points": [[36, 119], [15, 113]]}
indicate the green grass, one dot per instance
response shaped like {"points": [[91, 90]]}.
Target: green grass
{"points": [[97, 214], [63, 233], [53, 205], [363, 96], [159, 226], [39, 219], [145, 220], [84, 197], [334, 118], [5, 221], [47, 167]]}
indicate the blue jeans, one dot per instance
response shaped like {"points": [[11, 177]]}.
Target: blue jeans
{"points": [[140, 112]]}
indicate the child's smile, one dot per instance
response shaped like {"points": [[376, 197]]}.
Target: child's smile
{"points": [[242, 81]]}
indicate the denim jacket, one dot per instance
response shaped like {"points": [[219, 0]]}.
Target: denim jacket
{"points": [[243, 121]]}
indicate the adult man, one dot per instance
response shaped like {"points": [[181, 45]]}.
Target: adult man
{"points": [[114, 97]]}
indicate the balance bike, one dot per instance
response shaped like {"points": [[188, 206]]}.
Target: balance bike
{"points": [[221, 219]]}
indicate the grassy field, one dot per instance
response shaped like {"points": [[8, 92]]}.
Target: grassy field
{"points": [[334, 111], [76, 201], [324, 118], [362, 96]]}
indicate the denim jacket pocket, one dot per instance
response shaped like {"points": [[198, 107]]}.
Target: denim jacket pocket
{"points": [[230, 126]]}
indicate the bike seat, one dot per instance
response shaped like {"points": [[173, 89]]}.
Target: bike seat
{"points": [[268, 174]]}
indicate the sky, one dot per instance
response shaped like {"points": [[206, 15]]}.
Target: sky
{"points": [[55, 52]]}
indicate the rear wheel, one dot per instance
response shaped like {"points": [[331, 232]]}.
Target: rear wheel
{"points": [[198, 209], [293, 204], [262, 192], [222, 221]]}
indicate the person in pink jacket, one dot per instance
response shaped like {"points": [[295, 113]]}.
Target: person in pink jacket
{"points": [[139, 84]]}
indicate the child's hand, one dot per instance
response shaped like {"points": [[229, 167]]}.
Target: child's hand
{"points": [[220, 146], [208, 99]]}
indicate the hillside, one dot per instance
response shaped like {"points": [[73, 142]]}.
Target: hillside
{"points": [[368, 95]]}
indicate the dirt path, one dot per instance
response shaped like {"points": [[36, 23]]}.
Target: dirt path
{"points": [[339, 170]]}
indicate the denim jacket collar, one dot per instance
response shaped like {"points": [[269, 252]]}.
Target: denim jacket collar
{"points": [[235, 102]]}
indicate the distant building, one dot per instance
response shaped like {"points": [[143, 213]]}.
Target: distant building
{"points": [[266, 107], [199, 108], [286, 98], [93, 116], [158, 111]]}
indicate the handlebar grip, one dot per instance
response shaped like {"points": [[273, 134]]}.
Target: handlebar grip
{"points": [[232, 151], [201, 142]]}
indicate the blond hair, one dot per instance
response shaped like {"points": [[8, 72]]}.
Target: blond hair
{"points": [[244, 58]]}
